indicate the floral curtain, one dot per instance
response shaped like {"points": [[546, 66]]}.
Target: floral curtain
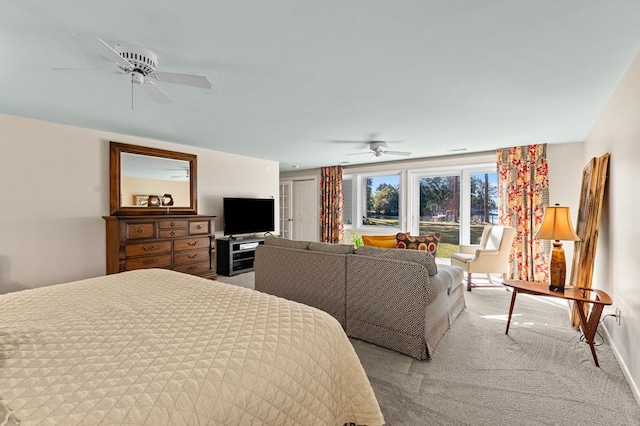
{"points": [[332, 204], [523, 193]]}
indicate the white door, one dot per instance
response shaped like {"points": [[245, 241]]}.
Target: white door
{"points": [[286, 215], [305, 210]]}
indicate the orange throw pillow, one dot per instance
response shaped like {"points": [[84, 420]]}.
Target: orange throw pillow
{"points": [[384, 241]]}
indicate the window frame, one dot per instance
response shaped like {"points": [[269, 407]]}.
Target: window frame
{"points": [[464, 172], [358, 199]]}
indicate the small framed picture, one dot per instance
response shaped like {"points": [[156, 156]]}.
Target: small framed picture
{"points": [[140, 200], [153, 201]]}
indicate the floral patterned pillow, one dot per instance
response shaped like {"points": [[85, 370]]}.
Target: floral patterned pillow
{"points": [[422, 242]]}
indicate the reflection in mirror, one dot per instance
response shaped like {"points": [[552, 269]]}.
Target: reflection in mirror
{"points": [[143, 176]]}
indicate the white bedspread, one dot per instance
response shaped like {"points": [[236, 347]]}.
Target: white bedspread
{"points": [[157, 347]]}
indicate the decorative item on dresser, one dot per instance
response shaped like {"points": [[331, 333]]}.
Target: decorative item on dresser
{"points": [[177, 242]]}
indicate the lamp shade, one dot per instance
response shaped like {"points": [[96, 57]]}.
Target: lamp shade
{"points": [[556, 225]]}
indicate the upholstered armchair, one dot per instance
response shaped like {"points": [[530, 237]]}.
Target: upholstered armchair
{"points": [[490, 256]]}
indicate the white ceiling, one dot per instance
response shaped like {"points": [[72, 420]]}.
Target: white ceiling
{"points": [[291, 77]]}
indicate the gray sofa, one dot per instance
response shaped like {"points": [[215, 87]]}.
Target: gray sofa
{"points": [[395, 298]]}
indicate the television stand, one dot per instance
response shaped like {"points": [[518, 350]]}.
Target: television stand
{"points": [[236, 255]]}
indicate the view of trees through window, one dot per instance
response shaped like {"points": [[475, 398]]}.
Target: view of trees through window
{"points": [[438, 199], [439, 204], [484, 203], [382, 197]]}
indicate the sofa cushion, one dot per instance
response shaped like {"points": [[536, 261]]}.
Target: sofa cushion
{"points": [[385, 241], [371, 251], [270, 240], [421, 257], [423, 242], [331, 248]]}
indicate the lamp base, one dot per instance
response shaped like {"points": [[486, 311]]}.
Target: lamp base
{"points": [[558, 270]]}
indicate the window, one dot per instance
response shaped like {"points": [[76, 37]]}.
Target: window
{"points": [[484, 203], [372, 201], [439, 210], [349, 208], [381, 206], [455, 202]]}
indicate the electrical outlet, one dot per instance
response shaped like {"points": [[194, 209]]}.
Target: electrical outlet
{"points": [[618, 314]]}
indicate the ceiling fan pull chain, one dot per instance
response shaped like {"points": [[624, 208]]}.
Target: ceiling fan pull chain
{"points": [[131, 92]]}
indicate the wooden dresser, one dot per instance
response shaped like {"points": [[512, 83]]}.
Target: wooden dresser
{"points": [[184, 243]]}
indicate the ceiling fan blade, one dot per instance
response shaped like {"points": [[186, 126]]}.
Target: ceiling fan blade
{"points": [[106, 51], [406, 154], [155, 93], [186, 79], [360, 153], [80, 70], [346, 141]]}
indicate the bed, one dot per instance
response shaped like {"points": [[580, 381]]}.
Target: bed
{"points": [[157, 347]]}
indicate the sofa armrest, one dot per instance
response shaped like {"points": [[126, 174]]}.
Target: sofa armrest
{"points": [[469, 248], [487, 260]]}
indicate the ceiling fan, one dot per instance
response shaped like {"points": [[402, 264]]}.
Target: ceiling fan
{"points": [[380, 148], [140, 64], [184, 174]]}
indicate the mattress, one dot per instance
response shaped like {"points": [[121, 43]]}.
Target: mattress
{"points": [[157, 347]]}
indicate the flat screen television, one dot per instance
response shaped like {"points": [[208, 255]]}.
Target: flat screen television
{"points": [[248, 215]]}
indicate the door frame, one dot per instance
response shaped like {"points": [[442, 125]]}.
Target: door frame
{"points": [[286, 224], [316, 198]]}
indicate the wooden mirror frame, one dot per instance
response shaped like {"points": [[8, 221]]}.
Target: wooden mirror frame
{"points": [[115, 154]]}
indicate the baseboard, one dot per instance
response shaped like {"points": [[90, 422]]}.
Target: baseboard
{"points": [[633, 385]]}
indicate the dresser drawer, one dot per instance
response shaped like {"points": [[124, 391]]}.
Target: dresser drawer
{"points": [[185, 243], [191, 243], [191, 256], [145, 249], [172, 224], [172, 233], [193, 268], [161, 261], [137, 231], [198, 227]]}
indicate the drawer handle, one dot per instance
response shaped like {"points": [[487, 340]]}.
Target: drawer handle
{"points": [[192, 257], [192, 244], [199, 226], [173, 224], [149, 248], [140, 230], [150, 261], [173, 233]]}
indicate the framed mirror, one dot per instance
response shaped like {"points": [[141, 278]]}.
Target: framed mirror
{"points": [[148, 181]]}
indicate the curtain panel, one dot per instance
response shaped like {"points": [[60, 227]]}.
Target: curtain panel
{"points": [[523, 194], [332, 227]]}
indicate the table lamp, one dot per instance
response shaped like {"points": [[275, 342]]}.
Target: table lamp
{"points": [[556, 225]]}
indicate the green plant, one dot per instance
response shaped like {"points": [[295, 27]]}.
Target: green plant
{"points": [[357, 239]]}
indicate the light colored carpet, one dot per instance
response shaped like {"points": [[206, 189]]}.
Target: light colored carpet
{"points": [[539, 374]]}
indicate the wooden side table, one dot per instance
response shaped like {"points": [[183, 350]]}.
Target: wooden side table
{"points": [[580, 295]]}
